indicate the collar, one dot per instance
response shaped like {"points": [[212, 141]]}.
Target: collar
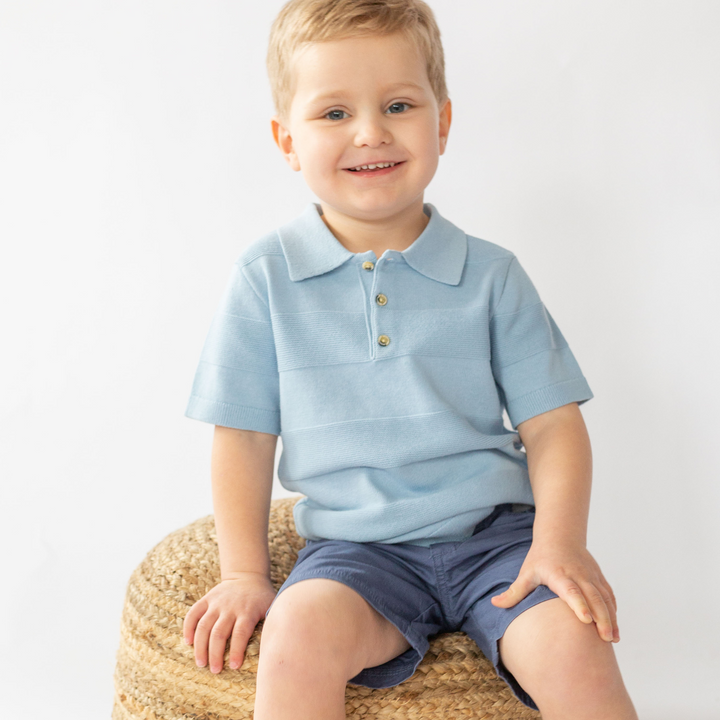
{"points": [[311, 249]]}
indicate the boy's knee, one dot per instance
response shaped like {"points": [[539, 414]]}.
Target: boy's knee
{"points": [[312, 624], [313, 608]]}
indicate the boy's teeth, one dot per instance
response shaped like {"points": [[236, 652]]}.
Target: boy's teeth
{"points": [[373, 167]]}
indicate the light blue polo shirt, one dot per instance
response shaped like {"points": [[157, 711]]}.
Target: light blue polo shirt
{"points": [[386, 378]]}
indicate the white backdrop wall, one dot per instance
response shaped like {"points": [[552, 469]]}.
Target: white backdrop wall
{"points": [[136, 163]]}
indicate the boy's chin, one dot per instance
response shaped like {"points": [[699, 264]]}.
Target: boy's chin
{"points": [[371, 206]]}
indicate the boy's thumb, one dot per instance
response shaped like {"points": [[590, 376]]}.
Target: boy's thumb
{"points": [[512, 596]]}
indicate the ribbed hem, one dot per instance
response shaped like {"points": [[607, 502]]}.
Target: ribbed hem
{"points": [[548, 398], [235, 416]]}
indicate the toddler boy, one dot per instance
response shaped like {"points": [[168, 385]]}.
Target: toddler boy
{"points": [[383, 343]]}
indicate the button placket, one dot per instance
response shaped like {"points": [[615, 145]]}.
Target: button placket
{"points": [[381, 300]]}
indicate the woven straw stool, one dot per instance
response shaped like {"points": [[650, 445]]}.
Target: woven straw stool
{"points": [[156, 677]]}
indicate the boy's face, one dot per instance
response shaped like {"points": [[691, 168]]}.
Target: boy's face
{"points": [[361, 101]]}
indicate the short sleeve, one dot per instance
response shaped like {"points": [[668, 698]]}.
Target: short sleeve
{"points": [[236, 383], [534, 368]]}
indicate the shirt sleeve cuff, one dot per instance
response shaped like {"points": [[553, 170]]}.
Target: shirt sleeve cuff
{"points": [[235, 416], [548, 398]]}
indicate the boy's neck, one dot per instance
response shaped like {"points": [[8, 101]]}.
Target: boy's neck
{"points": [[395, 233]]}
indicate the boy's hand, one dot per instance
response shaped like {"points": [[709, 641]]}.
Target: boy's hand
{"points": [[232, 608], [573, 575]]}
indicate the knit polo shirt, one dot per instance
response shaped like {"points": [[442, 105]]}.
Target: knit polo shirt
{"points": [[386, 377]]}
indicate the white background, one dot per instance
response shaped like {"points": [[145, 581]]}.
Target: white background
{"points": [[136, 163]]}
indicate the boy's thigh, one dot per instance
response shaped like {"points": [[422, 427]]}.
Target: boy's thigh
{"points": [[553, 655]]}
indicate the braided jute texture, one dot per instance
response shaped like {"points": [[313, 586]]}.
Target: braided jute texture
{"points": [[156, 677]]}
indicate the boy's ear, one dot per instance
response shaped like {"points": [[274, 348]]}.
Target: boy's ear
{"points": [[284, 141], [445, 121]]}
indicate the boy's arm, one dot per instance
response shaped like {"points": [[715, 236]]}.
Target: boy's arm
{"points": [[242, 472], [560, 467]]}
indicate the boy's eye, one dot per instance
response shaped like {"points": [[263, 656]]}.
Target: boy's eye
{"points": [[329, 113], [333, 114], [397, 107]]}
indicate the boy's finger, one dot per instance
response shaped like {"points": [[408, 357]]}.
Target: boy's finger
{"points": [[202, 635], [238, 642], [571, 593], [609, 599], [191, 619], [218, 643], [514, 594], [601, 611], [610, 592]]}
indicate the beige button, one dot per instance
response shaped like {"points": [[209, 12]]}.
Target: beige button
{"points": [[384, 340], [367, 265], [381, 299]]}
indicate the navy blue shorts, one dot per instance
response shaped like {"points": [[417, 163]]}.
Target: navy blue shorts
{"points": [[428, 590]]}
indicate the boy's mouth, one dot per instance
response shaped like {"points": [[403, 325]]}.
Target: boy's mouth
{"points": [[374, 168]]}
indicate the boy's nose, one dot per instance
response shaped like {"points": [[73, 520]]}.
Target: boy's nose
{"points": [[371, 132]]}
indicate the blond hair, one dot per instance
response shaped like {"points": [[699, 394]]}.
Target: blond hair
{"points": [[304, 21]]}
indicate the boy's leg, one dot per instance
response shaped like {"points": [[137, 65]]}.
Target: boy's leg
{"points": [[564, 665], [318, 634]]}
